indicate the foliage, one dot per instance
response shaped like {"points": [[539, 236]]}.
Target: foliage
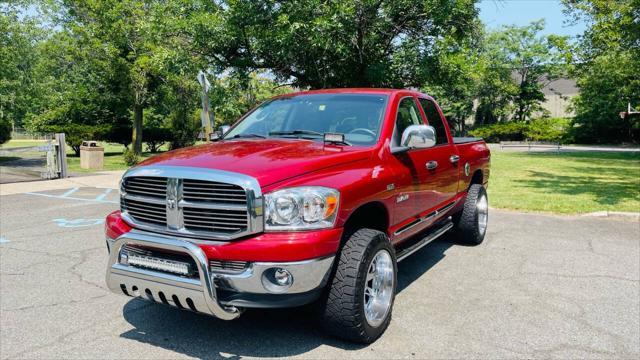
{"points": [[234, 95], [549, 129], [504, 131], [75, 134], [130, 157], [322, 44], [518, 62], [543, 129], [607, 70], [18, 42]]}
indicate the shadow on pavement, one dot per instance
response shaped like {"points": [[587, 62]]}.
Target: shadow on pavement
{"points": [[257, 333]]}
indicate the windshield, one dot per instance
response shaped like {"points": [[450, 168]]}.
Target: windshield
{"points": [[357, 116]]}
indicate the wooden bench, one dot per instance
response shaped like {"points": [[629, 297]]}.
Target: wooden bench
{"points": [[531, 145]]}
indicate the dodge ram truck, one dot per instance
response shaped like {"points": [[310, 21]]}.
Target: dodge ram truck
{"points": [[310, 198]]}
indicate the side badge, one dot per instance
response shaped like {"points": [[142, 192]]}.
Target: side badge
{"points": [[402, 198], [467, 169]]}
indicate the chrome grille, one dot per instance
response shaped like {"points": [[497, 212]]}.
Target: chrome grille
{"points": [[198, 190], [144, 211], [230, 266], [226, 221], [199, 203], [146, 186]]}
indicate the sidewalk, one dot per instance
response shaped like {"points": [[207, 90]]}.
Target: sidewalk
{"points": [[105, 179]]}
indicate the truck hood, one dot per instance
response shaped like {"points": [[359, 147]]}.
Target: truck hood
{"points": [[267, 160]]}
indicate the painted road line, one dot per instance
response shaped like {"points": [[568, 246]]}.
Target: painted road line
{"points": [[75, 223], [3, 240], [103, 195], [69, 192], [72, 198]]}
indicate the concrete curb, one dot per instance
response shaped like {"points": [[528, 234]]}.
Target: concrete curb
{"points": [[106, 179], [607, 213]]}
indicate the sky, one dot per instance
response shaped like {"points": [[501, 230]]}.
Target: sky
{"points": [[495, 13]]}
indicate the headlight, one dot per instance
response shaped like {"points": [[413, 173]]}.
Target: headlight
{"points": [[301, 208]]}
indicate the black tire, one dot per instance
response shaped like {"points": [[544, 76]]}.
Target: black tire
{"points": [[342, 311], [467, 224]]}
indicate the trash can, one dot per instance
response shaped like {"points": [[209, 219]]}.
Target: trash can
{"points": [[91, 155]]}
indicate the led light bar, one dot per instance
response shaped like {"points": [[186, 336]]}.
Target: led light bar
{"points": [[149, 262]]}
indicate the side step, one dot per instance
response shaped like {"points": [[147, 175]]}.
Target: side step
{"points": [[433, 235]]}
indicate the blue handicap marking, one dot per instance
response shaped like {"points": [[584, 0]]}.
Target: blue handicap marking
{"points": [[3, 240], [74, 223]]}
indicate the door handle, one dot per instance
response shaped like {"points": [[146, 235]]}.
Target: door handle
{"points": [[454, 158], [431, 165]]}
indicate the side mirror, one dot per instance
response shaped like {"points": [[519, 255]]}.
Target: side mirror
{"points": [[418, 137], [218, 134]]}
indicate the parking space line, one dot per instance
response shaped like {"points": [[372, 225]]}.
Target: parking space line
{"points": [[3, 240], [70, 192], [73, 198], [103, 195]]}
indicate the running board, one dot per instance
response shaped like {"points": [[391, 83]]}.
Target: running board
{"points": [[404, 253]]}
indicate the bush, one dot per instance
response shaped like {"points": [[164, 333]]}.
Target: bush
{"points": [[506, 131], [75, 134], [549, 129], [130, 157], [155, 137], [5, 131], [546, 129]]}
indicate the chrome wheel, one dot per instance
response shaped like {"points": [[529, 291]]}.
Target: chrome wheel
{"points": [[482, 207], [379, 287]]}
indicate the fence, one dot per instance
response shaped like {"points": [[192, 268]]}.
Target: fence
{"points": [[46, 159]]}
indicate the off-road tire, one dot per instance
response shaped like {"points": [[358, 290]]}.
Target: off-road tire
{"points": [[342, 311], [466, 223]]}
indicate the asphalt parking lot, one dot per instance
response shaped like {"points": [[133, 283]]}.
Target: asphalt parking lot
{"points": [[539, 286]]}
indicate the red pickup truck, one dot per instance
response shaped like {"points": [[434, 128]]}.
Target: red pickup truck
{"points": [[312, 197]]}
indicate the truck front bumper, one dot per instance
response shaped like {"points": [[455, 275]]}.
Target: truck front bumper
{"points": [[216, 293]]}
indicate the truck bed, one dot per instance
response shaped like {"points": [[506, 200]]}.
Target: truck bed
{"points": [[465, 140]]}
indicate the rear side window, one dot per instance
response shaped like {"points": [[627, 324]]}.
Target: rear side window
{"points": [[434, 119], [408, 114]]}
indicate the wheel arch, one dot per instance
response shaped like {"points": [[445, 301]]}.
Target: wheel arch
{"points": [[372, 215]]}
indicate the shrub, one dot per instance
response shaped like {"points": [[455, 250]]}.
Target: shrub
{"points": [[549, 129], [130, 157], [506, 131], [155, 137], [545, 129]]}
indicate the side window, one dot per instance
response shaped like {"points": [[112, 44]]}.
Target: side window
{"points": [[408, 114], [434, 119]]}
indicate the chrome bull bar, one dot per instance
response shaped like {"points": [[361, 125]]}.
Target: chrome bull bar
{"points": [[196, 294]]}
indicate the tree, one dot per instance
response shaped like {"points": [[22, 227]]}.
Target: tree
{"points": [[18, 41], [607, 69], [533, 61], [321, 44]]}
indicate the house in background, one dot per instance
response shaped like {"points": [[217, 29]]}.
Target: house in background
{"points": [[558, 95]]}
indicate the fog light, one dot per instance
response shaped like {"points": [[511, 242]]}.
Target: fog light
{"points": [[277, 280], [283, 277]]}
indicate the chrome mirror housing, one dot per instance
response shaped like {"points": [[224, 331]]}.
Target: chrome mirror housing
{"points": [[224, 129], [418, 137]]}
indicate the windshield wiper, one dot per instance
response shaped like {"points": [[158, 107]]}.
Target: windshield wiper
{"points": [[238, 136], [297, 132]]}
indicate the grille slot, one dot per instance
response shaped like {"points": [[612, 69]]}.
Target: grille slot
{"points": [[228, 266], [209, 191], [145, 211], [216, 220], [155, 187]]}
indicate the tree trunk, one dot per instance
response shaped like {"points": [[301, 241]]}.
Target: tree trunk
{"points": [[136, 136]]}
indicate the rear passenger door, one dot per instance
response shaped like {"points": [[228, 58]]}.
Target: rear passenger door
{"points": [[442, 179]]}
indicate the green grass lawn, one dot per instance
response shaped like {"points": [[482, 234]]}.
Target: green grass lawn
{"points": [[566, 183]]}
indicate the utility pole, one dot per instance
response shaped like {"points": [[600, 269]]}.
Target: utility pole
{"points": [[205, 117]]}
